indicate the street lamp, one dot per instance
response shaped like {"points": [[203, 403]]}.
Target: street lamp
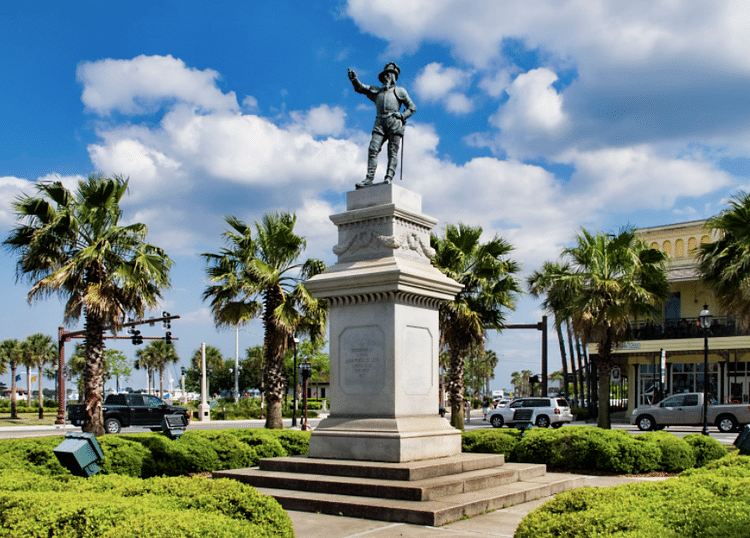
{"points": [[705, 317], [294, 396]]}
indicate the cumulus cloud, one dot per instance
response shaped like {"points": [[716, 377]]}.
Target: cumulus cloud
{"points": [[534, 110], [436, 83], [321, 120], [145, 83], [629, 178]]}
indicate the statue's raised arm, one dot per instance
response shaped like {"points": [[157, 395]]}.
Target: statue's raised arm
{"points": [[389, 122]]}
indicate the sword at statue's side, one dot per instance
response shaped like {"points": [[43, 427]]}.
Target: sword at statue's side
{"points": [[402, 154]]}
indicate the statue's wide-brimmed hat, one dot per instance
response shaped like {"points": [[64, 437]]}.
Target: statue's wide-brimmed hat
{"points": [[389, 67]]}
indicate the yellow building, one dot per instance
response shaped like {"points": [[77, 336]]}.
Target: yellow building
{"points": [[667, 356]]}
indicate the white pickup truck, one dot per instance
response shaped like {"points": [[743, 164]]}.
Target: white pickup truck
{"points": [[687, 410]]}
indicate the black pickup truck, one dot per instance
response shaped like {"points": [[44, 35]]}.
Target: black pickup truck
{"points": [[123, 410]]}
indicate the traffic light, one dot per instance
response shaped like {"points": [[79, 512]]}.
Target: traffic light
{"points": [[137, 338], [168, 338], [165, 323]]}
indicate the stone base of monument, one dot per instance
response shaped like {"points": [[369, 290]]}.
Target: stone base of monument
{"points": [[392, 440], [429, 492]]}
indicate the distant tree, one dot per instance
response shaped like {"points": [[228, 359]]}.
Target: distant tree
{"points": [[520, 382], [10, 354], [40, 349], [214, 364], [156, 356], [72, 244]]}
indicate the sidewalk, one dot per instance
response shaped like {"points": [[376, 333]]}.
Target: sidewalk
{"points": [[500, 523]]}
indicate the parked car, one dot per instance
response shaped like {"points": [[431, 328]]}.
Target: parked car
{"points": [[501, 402], [687, 410], [547, 412], [123, 410]]}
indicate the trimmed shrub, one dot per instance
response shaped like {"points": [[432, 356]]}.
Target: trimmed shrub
{"points": [[708, 501], [676, 454], [582, 448], [535, 446], [114, 506], [124, 456], [31, 454], [491, 442], [231, 452], [705, 449]]}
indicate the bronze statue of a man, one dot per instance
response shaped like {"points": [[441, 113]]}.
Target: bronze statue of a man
{"points": [[389, 122]]}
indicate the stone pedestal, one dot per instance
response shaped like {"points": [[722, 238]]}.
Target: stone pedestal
{"points": [[384, 296]]}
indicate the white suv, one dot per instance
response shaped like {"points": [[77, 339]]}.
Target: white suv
{"points": [[547, 412]]}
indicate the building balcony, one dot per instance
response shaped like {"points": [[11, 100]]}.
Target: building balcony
{"points": [[686, 328]]}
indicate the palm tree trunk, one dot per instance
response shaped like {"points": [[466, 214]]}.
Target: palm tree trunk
{"points": [[563, 357], [93, 421], [41, 397], [274, 343], [28, 387], [582, 370], [456, 388], [604, 367], [13, 397], [573, 354], [161, 381]]}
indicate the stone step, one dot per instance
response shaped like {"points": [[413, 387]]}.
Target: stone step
{"points": [[409, 471], [414, 490], [433, 512]]}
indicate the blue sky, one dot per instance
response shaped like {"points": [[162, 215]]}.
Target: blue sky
{"points": [[534, 118]]}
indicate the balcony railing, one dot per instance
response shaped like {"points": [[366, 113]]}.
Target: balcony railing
{"points": [[685, 328]]}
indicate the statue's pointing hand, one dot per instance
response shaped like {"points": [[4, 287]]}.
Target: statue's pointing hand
{"points": [[352, 74]]}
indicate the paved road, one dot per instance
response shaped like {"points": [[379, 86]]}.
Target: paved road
{"points": [[680, 431], [475, 424]]}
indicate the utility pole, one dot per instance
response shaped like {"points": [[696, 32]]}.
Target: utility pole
{"points": [[63, 336], [541, 326]]}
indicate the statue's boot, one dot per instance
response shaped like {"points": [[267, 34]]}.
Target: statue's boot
{"points": [[391, 172], [369, 178]]}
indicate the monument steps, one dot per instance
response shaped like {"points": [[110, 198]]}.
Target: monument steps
{"points": [[434, 500]]}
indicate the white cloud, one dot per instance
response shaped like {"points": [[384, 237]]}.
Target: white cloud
{"points": [[534, 106], [636, 177], [321, 120], [436, 83], [146, 83]]}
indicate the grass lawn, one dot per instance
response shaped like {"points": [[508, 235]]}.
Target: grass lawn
{"points": [[28, 419]]}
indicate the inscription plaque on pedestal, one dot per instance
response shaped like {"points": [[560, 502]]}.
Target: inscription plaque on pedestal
{"points": [[362, 360]]}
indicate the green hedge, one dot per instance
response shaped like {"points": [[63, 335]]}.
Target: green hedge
{"points": [[582, 448], [147, 455], [710, 501], [114, 506]]}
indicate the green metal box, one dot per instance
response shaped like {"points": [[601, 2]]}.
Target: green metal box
{"points": [[80, 453], [743, 441]]}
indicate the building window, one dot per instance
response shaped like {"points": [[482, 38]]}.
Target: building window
{"points": [[679, 248]]}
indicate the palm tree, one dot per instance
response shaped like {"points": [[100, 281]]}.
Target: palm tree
{"points": [[616, 279], [214, 363], [725, 263], [489, 287], [261, 275], [10, 354], [557, 301], [40, 349], [72, 245], [156, 356], [28, 362]]}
